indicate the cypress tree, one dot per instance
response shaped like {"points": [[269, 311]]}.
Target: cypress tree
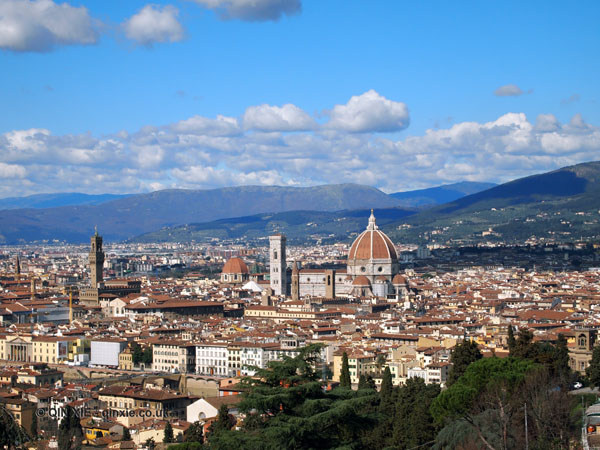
{"points": [[362, 382], [147, 355], [137, 354], [11, 433], [561, 358], [386, 401], [593, 370], [168, 433], [511, 340], [463, 354], [194, 433], [34, 427], [70, 433], [345, 380], [222, 424]]}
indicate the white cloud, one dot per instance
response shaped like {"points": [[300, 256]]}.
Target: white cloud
{"points": [[212, 176], [253, 10], [154, 24], [369, 112], [12, 171], [546, 122], [202, 152], [41, 25], [198, 125], [509, 90], [275, 118]]}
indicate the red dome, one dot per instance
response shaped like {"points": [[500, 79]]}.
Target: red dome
{"points": [[399, 280], [235, 265], [361, 280], [372, 244]]}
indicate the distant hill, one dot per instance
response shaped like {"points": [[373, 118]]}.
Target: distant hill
{"points": [[298, 226], [562, 205], [38, 201], [440, 194], [137, 214]]}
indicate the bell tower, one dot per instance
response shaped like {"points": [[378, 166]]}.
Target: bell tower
{"points": [[278, 264], [96, 260]]}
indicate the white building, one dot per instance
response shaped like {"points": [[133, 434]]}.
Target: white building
{"points": [[105, 351], [174, 356], [212, 359]]}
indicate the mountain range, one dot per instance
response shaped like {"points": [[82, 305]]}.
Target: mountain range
{"points": [[562, 204], [440, 194], [130, 216], [39, 201]]}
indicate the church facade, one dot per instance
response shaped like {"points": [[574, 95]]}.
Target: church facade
{"points": [[372, 270]]}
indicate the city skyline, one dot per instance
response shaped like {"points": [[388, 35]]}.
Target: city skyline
{"points": [[202, 94]]}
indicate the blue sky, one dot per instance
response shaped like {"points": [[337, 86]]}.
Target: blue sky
{"points": [[112, 96]]}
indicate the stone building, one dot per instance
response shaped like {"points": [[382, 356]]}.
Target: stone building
{"points": [[581, 355], [372, 270], [235, 271], [90, 296]]}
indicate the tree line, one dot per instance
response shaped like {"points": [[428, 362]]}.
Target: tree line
{"points": [[489, 403]]}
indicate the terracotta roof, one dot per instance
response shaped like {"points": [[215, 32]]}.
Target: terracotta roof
{"points": [[399, 280], [235, 265], [372, 244], [361, 280]]}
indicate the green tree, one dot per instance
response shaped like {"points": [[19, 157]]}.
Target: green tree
{"points": [[486, 398], [386, 400], [137, 355], [188, 446], [12, 435], [362, 382], [194, 433], [223, 422], [524, 346], [126, 434], [147, 357], [511, 340], [70, 433], [463, 354], [561, 359], [286, 406], [593, 370], [34, 427], [371, 383], [551, 421], [367, 382], [413, 424], [345, 380], [168, 437], [150, 444]]}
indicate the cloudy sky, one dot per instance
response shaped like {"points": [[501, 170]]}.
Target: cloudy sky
{"points": [[127, 96]]}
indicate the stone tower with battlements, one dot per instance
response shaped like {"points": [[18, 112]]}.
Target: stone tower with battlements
{"points": [[96, 260]]}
